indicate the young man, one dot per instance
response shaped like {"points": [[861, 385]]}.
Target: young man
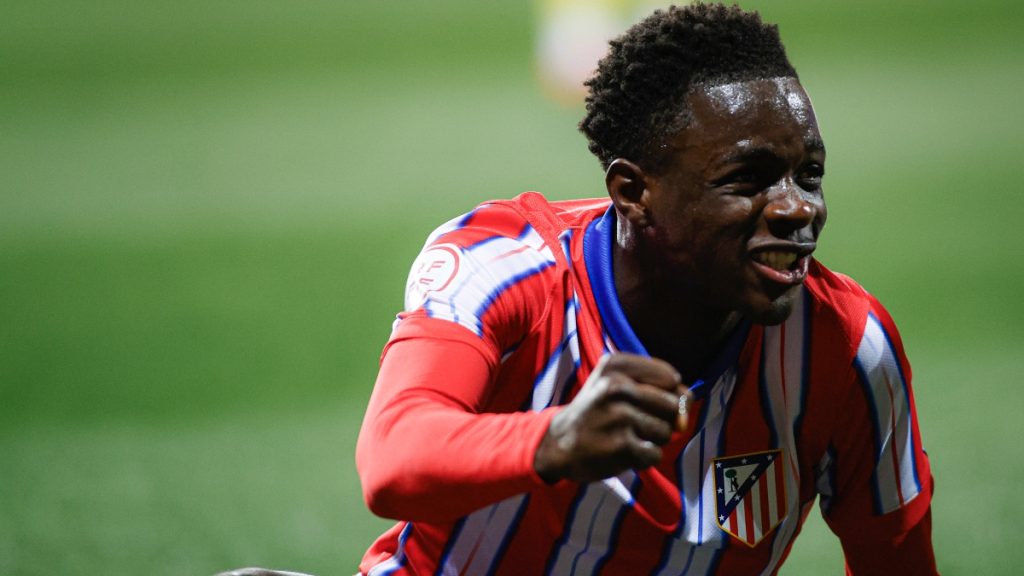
{"points": [[659, 382]]}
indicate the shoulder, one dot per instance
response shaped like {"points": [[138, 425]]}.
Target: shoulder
{"points": [[845, 309], [504, 238], [497, 264], [554, 216], [529, 212], [840, 303]]}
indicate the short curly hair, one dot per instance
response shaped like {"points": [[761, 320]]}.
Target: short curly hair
{"points": [[637, 97]]}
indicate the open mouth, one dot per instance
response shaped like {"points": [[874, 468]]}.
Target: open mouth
{"points": [[781, 266], [776, 260]]}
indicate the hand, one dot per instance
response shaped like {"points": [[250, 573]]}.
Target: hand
{"points": [[623, 415]]}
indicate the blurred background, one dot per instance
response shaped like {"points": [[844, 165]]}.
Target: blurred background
{"points": [[208, 210]]}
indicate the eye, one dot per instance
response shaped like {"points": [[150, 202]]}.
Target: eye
{"points": [[810, 177], [744, 177], [746, 181]]}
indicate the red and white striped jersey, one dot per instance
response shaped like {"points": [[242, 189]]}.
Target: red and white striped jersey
{"points": [[819, 406]]}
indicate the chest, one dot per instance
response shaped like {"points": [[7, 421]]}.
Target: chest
{"points": [[775, 398]]}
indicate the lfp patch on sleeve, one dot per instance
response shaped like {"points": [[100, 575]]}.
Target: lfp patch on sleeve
{"points": [[433, 271], [750, 493]]}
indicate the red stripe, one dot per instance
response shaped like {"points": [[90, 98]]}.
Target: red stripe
{"points": [[511, 253]]}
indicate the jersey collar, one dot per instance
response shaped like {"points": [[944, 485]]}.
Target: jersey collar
{"points": [[597, 255]]}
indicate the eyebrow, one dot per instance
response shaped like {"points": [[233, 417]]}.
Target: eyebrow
{"points": [[747, 153]]}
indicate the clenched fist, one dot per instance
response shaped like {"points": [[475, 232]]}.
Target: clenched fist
{"points": [[621, 418]]}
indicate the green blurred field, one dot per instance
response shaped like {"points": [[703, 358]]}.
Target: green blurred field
{"points": [[207, 211]]}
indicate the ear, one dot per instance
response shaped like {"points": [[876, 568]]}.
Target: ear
{"points": [[627, 187]]}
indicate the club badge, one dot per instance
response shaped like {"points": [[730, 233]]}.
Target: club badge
{"points": [[750, 493]]}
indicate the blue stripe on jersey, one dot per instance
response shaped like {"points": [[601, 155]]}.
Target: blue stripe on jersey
{"points": [[543, 396], [724, 405], [884, 430], [469, 216], [452, 539], [482, 538], [692, 550], [597, 255], [700, 491], [613, 538], [875, 492], [494, 294], [570, 519], [592, 525], [720, 449], [391, 565], [590, 534], [783, 381], [566, 240], [481, 254], [550, 385], [906, 397], [507, 539]]}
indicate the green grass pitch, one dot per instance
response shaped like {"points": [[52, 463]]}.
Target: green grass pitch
{"points": [[207, 211]]}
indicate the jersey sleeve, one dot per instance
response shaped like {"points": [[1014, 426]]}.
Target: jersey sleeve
{"points": [[484, 272], [429, 450], [875, 481], [425, 452]]}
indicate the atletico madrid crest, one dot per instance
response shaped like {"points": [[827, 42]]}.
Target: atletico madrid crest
{"points": [[750, 494]]}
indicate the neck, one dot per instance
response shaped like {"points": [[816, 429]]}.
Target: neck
{"points": [[668, 316]]}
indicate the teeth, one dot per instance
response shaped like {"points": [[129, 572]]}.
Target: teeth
{"points": [[775, 259]]}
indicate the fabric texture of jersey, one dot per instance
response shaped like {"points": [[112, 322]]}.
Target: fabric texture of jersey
{"points": [[819, 406]]}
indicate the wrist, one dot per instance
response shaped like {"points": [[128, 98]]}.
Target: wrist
{"points": [[548, 458]]}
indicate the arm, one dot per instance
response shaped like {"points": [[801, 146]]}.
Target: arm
{"points": [[427, 450], [426, 453]]}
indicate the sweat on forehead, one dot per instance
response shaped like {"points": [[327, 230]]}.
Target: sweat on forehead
{"points": [[746, 115], [637, 96], [734, 97]]}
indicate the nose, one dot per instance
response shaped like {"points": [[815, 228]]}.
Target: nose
{"points": [[788, 208]]}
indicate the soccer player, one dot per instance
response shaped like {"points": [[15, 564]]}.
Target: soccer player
{"points": [[657, 382]]}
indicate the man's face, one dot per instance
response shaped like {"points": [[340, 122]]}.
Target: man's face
{"points": [[737, 210]]}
